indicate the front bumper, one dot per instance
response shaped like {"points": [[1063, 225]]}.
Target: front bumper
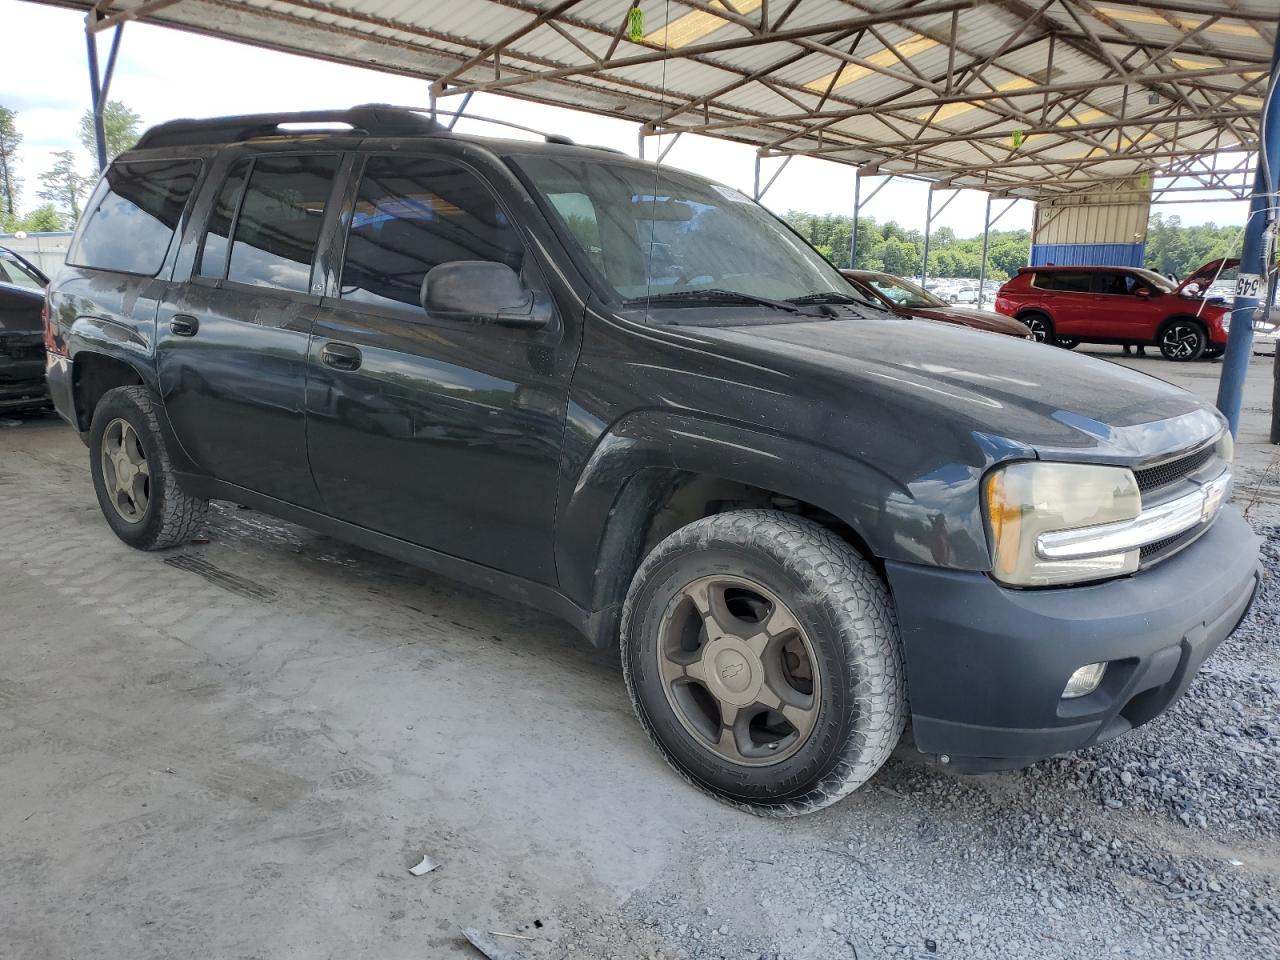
{"points": [[986, 665]]}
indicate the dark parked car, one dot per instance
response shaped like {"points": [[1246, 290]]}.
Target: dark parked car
{"points": [[906, 299], [22, 285], [1129, 305], [803, 528]]}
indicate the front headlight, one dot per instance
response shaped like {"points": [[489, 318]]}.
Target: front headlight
{"points": [[1226, 446], [1024, 500]]}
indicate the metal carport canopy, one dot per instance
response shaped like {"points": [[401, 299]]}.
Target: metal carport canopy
{"points": [[1025, 98]]}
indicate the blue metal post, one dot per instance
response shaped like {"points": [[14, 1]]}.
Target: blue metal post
{"points": [[1253, 260]]}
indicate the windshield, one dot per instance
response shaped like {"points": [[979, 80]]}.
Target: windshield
{"points": [[1158, 282], [656, 233], [903, 293]]}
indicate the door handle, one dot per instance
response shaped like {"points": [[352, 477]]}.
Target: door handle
{"points": [[340, 356], [183, 325]]}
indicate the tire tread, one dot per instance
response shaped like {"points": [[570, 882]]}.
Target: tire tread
{"points": [[867, 627]]}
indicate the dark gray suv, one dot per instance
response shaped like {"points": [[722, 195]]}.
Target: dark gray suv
{"points": [[634, 398]]}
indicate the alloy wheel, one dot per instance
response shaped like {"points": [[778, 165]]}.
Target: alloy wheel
{"points": [[1039, 328], [1180, 341], [125, 472], [739, 670]]}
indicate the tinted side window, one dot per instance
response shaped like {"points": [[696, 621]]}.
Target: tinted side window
{"points": [[132, 225], [413, 213], [279, 221], [1065, 281], [213, 254]]}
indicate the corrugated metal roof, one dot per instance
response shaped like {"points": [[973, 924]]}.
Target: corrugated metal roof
{"points": [[999, 94]]}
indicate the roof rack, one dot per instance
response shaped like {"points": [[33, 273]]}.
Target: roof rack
{"points": [[369, 119], [372, 119]]}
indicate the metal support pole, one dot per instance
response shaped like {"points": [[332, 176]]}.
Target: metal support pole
{"points": [[1255, 261], [462, 108], [986, 237], [857, 208], [928, 227], [95, 93], [100, 83], [640, 138], [755, 189]]}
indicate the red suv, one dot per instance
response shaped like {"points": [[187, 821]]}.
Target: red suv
{"points": [[1129, 305]]}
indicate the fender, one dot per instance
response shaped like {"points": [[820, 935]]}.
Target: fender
{"points": [[637, 463]]}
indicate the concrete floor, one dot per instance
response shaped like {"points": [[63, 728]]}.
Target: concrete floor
{"points": [[236, 749]]}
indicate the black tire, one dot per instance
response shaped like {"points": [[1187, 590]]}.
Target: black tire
{"points": [[1039, 326], [163, 515], [1183, 340], [838, 601]]}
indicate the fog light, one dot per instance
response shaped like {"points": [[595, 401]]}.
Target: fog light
{"points": [[1084, 681]]}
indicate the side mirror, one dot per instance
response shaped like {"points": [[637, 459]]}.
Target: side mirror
{"points": [[482, 291]]}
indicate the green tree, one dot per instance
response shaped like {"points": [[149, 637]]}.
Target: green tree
{"points": [[45, 218], [894, 249], [10, 182], [120, 127], [63, 184]]}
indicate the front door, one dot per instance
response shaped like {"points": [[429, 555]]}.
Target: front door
{"points": [[1121, 314], [232, 341], [443, 433]]}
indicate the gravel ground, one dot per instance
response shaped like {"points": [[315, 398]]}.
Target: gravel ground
{"points": [[1158, 844]]}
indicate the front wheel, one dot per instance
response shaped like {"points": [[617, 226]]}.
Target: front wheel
{"points": [[133, 476], [1183, 340], [762, 657]]}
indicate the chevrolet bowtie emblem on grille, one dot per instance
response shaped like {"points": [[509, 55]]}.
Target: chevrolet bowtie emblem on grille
{"points": [[1214, 494]]}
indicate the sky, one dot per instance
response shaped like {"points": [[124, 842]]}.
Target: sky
{"points": [[165, 74]]}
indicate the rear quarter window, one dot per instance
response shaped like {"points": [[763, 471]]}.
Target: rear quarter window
{"points": [[135, 212]]}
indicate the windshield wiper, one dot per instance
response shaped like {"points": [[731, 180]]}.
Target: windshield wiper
{"points": [[716, 295], [831, 296]]}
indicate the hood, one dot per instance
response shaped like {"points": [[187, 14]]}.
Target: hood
{"points": [[972, 317], [1196, 283], [1014, 397]]}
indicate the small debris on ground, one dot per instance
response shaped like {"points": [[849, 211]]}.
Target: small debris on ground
{"points": [[486, 944], [425, 866]]}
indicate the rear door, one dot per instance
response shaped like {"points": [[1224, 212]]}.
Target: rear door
{"points": [[443, 433], [1121, 314], [232, 340], [1068, 295]]}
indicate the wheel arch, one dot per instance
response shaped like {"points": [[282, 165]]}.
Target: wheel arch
{"points": [[93, 374], [650, 476], [1187, 317]]}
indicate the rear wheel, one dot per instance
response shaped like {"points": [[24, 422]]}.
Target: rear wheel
{"points": [[762, 656], [1039, 326], [133, 476], [1183, 340]]}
